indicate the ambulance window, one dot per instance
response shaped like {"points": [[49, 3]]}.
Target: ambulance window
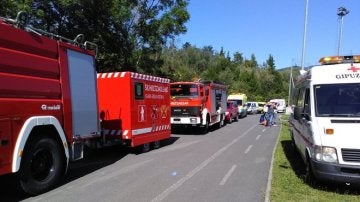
{"points": [[307, 103], [300, 98], [139, 91]]}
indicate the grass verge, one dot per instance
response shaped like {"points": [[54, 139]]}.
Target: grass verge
{"points": [[288, 176]]}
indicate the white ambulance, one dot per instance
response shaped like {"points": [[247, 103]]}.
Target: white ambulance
{"points": [[325, 123]]}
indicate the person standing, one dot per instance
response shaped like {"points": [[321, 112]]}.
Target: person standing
{"points": [[271, 111]]}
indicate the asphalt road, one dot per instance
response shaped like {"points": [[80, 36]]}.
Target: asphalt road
{"points": [[231, 163]]}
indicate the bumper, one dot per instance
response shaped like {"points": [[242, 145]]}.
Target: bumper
{"points": [[336, 173], [185, 121]]}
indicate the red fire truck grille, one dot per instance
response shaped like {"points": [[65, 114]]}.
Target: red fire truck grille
{"points": [[185, 111], [351, 155]]}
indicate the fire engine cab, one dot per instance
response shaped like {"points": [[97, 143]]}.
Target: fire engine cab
{"points": [[199, 104], [325, 120]]}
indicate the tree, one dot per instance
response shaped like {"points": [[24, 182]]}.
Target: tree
{"points": [[238, 58], [270, 63], [130, 34]]}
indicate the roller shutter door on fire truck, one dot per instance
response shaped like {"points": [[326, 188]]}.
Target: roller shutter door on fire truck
{"points": [[82, 77]]}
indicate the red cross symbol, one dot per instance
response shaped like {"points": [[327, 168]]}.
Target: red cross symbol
{"points": [[353, 68]]}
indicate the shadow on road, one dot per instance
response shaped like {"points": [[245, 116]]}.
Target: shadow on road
{"points": [[95, 159]]}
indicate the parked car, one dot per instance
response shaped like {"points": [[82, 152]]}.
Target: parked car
{"points": [[240, 100], [232, 112], [280, 105], [252, 107]]}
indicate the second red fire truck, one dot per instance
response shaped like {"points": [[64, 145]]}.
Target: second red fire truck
{"points": [[134, 108], [198, 104]]}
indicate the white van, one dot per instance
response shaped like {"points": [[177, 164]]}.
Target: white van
{"points": [[280, 105], [325, 123], [252, 107]]}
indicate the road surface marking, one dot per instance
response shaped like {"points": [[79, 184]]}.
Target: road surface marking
{"points": [[258, 137], [264, 130], [248, 149], [228, 174], [188, 176]]}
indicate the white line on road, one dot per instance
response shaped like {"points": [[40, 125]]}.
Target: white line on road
{"points": [[228, 174], [258, 137], [264, 130], [188, 176], [248, 149]]}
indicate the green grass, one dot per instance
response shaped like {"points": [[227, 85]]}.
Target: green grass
{"points": [[288, 177]]}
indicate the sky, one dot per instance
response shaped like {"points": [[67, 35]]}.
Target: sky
{"points": [[276, 27]]}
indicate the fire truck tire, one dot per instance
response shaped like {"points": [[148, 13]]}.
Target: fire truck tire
{"points": [[42, 166], [205, 129], [145, 147], [156, 144]]}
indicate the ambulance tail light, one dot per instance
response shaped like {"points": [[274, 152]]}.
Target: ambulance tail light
{"points": [[340, 59]]}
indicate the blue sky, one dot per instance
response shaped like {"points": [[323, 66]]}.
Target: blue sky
{"points": [[276, 27]]}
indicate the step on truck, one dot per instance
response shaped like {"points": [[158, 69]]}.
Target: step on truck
{"points": [[134, 108], [198, 104]]}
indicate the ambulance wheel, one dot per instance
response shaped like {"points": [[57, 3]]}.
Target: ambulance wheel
{"points": [[156, 144], [42, 165], [309, 175]]}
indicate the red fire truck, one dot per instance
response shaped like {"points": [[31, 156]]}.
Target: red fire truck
{"points": [[49, 105], [199, 104], [134, 108]]}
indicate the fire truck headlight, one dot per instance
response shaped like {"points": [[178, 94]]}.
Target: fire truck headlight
{"points": [[192, 120], [327, 154]]}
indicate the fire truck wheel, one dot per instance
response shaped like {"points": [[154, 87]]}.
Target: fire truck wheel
{"points": [[42, 165], [205, 129], [145, 147], [156, 144]]}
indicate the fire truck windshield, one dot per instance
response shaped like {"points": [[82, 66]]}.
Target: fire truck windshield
{"points": [[337, 100], [184, 90]]}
